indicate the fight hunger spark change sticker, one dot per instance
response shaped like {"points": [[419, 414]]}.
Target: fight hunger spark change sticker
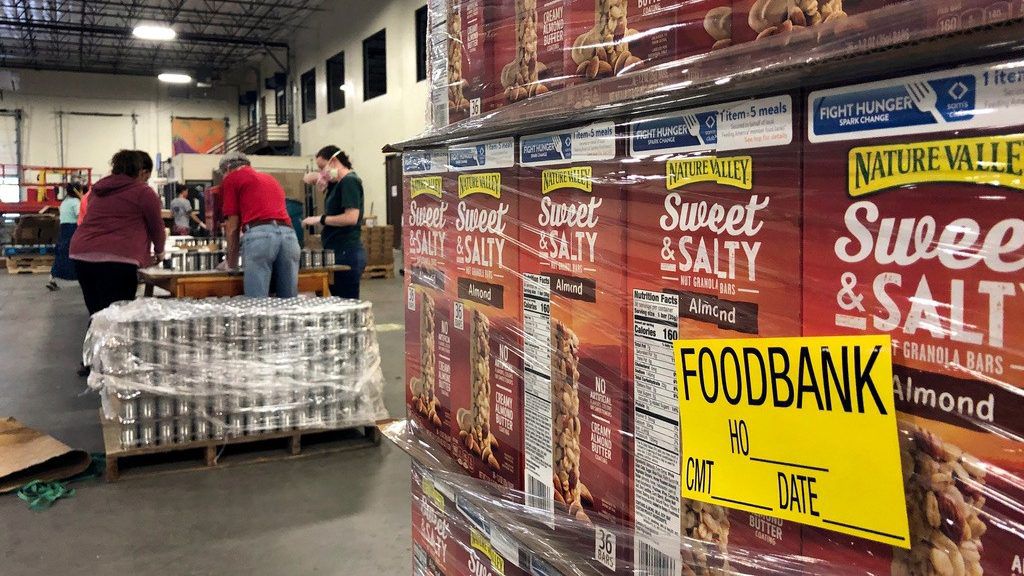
{"points": [[802, 429]]}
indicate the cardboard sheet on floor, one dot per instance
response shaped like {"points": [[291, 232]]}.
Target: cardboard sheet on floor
{"points": [[27, 454]]}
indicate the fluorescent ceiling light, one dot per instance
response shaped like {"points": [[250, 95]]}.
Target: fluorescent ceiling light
{"points": [[154, 32], [173, 78]]}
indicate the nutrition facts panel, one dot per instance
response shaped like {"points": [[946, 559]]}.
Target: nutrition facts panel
{"points": [[656, 417], [537, 378]]}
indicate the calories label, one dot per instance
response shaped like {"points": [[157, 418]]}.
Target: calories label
{"points": [[537, 380], [656, 418]]}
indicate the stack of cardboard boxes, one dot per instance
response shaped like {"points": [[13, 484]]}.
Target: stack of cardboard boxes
{"points": [[379, 242], [553, 275]]}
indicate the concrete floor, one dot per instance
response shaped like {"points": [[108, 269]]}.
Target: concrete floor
{"points": [[337, 514]]}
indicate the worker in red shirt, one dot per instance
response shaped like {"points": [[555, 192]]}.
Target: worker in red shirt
{"points": [[254, 205]]}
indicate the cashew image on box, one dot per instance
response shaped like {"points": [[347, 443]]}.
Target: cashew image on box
{"points": [[565, 419], [707, 528], [521, 77], [944, 488], [475, 423], [603, 50], [718, 25], [425, 402], [771, 17], [456, 83]]}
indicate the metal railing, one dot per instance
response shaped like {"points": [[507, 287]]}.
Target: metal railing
{"points": [[263, 134]]}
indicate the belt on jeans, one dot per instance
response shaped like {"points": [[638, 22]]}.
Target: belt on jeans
{"points": [[271, 222]]}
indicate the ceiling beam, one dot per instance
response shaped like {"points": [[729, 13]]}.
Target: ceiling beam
{"points": [[119, 32]]}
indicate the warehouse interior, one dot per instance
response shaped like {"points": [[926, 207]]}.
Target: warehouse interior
{"points": [[512, 287]]}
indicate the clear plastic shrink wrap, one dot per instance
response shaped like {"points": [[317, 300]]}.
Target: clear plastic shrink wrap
{"points": [[177, 371], [633, 172]]}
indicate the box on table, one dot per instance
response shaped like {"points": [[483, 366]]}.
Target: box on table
{"points": [[913, 229], [576, 392], [713, 252], [429, 214], [485, 417]]}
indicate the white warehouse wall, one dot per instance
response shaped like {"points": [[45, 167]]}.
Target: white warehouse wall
{"points": [[90, 141], [362, 129]]}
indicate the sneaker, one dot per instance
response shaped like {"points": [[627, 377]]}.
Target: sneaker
{"points": [[84, 370], [52, 286]]}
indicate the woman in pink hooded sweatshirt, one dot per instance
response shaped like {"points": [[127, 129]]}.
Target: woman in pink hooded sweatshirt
{"points": [[121, 232]]}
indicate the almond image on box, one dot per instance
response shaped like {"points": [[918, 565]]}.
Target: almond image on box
{"points": [[913, 228], [428, 217], [759, 19], [528, 51], [713, 251], [576, 394], [485, 416]]}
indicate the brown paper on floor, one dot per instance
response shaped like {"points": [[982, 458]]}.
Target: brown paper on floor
{"points": [[27, 455]]}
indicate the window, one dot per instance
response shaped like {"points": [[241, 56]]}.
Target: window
{"points": [[421, 44], [375, 69], [336, 82], [308, 86]]}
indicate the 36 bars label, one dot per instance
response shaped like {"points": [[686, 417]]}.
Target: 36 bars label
{"points": [[803, 429]]}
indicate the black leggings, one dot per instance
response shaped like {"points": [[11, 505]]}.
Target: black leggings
{"points": [[104, 283]]}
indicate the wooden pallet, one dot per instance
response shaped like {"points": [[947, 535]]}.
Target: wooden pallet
{"points": [[379, 271], [267, 447], [35, 264]]}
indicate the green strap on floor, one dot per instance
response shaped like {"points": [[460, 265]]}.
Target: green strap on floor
{"points": [[41, 495]]}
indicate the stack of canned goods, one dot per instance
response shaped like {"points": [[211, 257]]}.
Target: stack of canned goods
{"points": [[316, 259], [208, 243], [196, 260], [182, 371]]}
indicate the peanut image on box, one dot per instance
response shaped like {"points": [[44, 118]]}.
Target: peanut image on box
{"points": [[429, 212], [713, 251], [485, 416], [913, 228], [576, 395]]}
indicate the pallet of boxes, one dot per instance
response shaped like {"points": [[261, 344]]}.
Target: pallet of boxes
{"points": [[379, 243], [218, 381], [32, 248], [644, 242]]}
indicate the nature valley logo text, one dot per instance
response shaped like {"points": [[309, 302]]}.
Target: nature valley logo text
{"points": [[488, 183], [431, 492], [735, 171], [429, 185], [481, 543], [579, 177], [991, 160]]}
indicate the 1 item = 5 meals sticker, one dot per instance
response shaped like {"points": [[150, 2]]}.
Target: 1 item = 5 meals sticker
{"points": [[802, 429]]}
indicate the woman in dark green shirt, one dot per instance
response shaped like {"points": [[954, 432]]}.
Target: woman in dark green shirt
{"points": [[342, 220]]}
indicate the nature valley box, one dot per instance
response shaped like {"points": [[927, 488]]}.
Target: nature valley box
{"points": [[574, 307], [429, 215], [914, 228], [713, 251], [446, 542], [485, 415]]}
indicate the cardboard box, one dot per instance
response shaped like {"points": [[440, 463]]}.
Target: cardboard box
{"points": [[291, 182], [610, 37], [485, 417], [429, 214], [713, 252], [470, 58], [913, 229], [572, 231], [753, 19]]}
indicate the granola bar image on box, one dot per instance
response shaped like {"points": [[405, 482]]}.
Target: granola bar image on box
{"points": [[475, 423], [944, 502], [570, 491], [706, 531], [423, 388]]}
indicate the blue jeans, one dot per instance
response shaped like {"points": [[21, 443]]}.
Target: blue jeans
{"points": [[271, 250], [346, 282]]}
